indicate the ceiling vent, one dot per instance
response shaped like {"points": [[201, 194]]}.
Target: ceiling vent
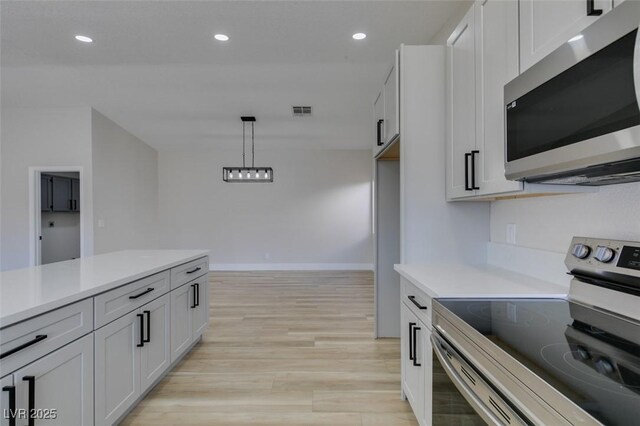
{"points": [[301, 111]]}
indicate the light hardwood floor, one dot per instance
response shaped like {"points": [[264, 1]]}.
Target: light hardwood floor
{"points": [[284, 348]]}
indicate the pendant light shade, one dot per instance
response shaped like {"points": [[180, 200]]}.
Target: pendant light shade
{"points": [[244, 174]]}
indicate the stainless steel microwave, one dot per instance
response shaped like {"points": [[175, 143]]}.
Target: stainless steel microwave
{"points": [[573, 117]]}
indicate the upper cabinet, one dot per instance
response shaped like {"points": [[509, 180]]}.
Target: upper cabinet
{"points": [[59, 194], [386, 109], [461, 143], [545, 25], [496, 36]]}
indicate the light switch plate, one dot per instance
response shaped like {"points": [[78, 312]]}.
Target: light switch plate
{"points": [[511, 233]]}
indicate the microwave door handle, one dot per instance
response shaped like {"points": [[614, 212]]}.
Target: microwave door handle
{"points": [[464, 389]]}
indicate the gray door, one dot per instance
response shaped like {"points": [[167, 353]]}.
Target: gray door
{"points": [[75, 194], [45, 193], [61, 194]]}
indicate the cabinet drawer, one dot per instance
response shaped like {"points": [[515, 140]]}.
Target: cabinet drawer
{"points": [[31, 339], [113, 304], [417, 301], [189, 271]]}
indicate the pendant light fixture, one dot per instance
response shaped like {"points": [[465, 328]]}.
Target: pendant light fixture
{"points": [[246, 174]]}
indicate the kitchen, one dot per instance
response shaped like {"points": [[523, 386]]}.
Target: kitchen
{"points": [[246, 257]]}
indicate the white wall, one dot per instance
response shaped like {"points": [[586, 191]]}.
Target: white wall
{"points": [[316, 212], [125, 188], [443, 33], [61, 241], [548, 223], [39, 137]]}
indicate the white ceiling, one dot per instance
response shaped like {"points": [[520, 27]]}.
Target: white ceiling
{"points": [[155, 69]]}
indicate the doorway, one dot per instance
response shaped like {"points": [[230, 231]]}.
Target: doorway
{"points": [[57, 215]]}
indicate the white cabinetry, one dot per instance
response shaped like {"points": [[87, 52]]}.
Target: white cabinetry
{"points": [[132, 352], [416, 353], [117, 369], [7, 399], [386, 109], [190, 315], [496, 30], [59, 387], [461, 116], [545, 25]]}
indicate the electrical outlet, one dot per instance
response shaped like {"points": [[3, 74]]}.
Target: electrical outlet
{"points": [[511, 233], [101, 223], [267, 256], [512, 313]]}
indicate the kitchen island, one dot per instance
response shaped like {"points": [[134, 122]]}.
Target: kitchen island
{"points": [[108, 327]]}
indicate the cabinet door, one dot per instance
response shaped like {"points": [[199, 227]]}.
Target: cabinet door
{"points": [[75, 195], [496, 65], [378, 122], [181, 320], [413, 358], [155, 355], [61, 194], [117, 369], [45, 193], [7, 400], [391, 105], [60, 385], [201, 311], [545, 25], [461, 116]]}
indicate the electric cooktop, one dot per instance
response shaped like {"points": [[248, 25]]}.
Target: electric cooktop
{"points": [[590, 356]]}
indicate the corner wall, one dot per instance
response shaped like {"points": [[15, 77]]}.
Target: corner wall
{"points": [[125, 188]]}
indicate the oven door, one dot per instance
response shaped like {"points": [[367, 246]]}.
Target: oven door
{"points": [[578, 107], [461, 394]]}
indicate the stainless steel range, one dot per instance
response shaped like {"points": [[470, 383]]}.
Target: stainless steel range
{"points": [[552, 361]]}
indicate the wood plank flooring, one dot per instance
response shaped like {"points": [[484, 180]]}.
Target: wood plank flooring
{"points": [[284, 348]]}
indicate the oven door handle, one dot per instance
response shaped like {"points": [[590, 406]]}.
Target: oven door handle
{"points": [[465, 389]]}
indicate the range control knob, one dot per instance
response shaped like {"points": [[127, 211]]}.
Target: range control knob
{"points": [[604, 366], [604, 254], [581, 251]]}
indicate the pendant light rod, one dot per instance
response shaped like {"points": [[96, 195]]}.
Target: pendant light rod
{"points": [[253, 147]]}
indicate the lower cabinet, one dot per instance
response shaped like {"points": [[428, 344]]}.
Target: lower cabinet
{"points": [[416, 364], [131, 353], [58, 388], [189, 315]]}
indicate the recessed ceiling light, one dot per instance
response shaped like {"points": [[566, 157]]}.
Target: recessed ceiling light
{"points": [[576, 38], [84, 39], [359, 36], [221, 37]]}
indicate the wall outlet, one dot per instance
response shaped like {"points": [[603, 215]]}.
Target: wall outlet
{"points": [[101, 223], [267, 256], [512, 312], [511, 233]]}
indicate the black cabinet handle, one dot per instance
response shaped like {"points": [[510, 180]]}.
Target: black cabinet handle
{"points": [[194, 270], [379, 132], [75, 205], [467, 155], [149, 290], [473, 169], [194, 303], [32, 398], [413, 300], [12, 404], [148, 339], [141, 317], [411, 325], [415, 339], [197, 294], [591, 8], [38, 338]]}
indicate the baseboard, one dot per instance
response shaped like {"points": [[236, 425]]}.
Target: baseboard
{"points": [[291, 267]]}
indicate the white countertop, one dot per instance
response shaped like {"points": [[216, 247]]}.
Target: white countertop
{"points": [[477, 281], [25, 293]]}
